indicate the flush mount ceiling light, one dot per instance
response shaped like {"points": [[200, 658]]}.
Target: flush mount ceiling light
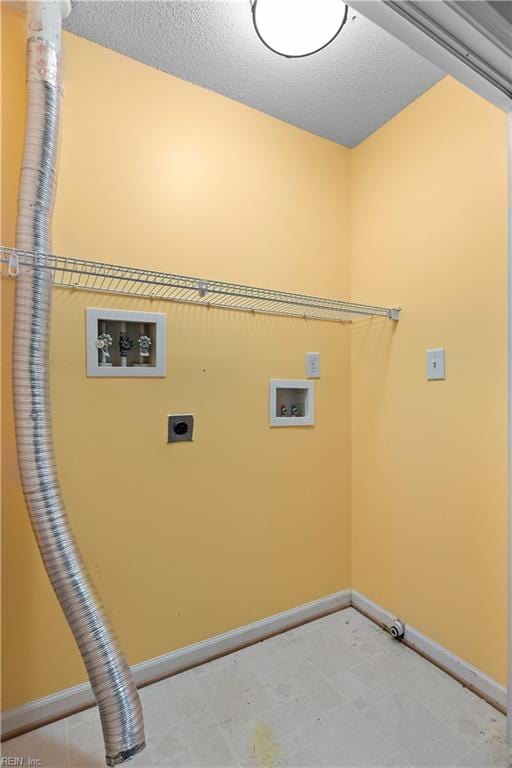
{"points": [[296, 28]]}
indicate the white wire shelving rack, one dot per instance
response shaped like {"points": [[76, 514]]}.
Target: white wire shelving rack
{"points": [[85, 275]]}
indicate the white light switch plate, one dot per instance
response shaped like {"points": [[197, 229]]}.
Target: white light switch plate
{"points": [[313, 365], [435, 364]]}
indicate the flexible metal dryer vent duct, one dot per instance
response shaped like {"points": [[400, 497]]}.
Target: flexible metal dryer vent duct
{"points": [[111, 679]]}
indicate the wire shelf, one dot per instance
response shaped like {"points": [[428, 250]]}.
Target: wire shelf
{"points": [[82, 274]]}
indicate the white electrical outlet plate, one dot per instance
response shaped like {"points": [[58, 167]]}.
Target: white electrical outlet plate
{"points": [[313, 365], [435, 364]]}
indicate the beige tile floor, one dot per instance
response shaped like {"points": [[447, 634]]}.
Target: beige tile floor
{"points": [[335, 692]]}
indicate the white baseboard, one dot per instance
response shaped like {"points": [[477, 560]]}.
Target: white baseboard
{"points": [[471, 676], [65, 702], [53, 707]]}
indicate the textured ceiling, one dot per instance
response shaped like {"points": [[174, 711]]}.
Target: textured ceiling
{"points": [[344, 92]]}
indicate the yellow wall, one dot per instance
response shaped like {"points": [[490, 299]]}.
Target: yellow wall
{"points": [[428, 202], [182, 541], [187, 541]]}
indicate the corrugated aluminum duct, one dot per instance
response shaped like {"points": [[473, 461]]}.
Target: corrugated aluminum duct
{"points": [[109, 674]]}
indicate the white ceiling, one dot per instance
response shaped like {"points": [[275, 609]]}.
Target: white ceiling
{"points": [[344, 92]]}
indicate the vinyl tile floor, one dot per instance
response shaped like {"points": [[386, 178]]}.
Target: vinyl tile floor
{"points": [[335, 692]]}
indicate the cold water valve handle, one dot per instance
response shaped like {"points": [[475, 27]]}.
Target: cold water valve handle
{"points": [[144, 344]]}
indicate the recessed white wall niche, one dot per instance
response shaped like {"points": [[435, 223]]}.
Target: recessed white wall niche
{"points": [[122, 343], [291, 403]]}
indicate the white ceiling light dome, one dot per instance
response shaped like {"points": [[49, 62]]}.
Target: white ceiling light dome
{"points": [[295, 28]]}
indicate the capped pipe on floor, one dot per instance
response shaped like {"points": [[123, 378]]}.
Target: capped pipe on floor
{"points": [[111, 680], [397, 630]]}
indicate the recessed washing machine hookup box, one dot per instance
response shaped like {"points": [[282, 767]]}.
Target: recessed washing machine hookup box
{"points": [[122, 343], [291, 403]]}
